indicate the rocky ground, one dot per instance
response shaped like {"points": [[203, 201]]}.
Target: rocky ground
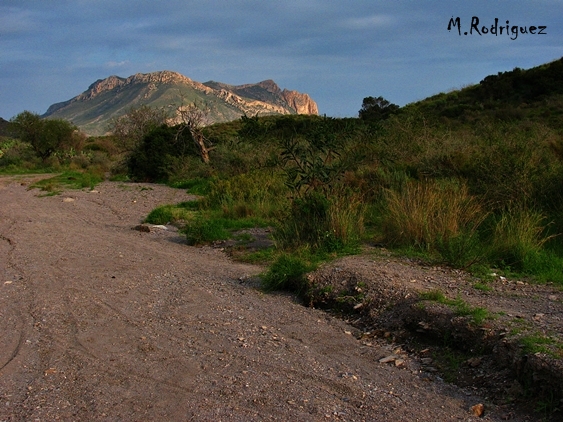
{"points": [[100, 322]]}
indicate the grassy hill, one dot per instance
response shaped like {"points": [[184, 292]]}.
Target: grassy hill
{"points": [[534, 94]]}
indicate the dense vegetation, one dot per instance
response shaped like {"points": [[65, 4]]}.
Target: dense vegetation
{"points": [[472, 178]]}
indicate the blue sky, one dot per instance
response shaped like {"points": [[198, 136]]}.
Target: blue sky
{"points": [[336, 51]]}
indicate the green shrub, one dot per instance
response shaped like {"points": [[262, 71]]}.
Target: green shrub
{"points": [[287, 273], [329, 225]]}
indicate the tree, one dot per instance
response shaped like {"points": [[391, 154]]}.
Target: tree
{"points": [[45, 135], [194, 117], [130, 128], [376, 109]]}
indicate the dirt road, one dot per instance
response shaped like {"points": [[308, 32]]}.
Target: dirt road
{"points": [[99, 322]]}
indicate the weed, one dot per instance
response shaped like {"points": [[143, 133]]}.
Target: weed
{"points": [[537, 343], [287, 273], [478, 315], [518, 237], [484, 287]]}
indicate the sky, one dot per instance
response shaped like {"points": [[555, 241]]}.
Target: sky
{"points": [[337, 51]]}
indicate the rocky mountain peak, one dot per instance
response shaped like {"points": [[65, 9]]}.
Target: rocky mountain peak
{"points": [[108, 98], [301, 103]]}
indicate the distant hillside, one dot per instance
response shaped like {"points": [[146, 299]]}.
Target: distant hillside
{"points": [[536, 93], [107, 98]]}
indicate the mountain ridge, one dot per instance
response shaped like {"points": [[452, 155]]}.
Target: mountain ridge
{"points": [[107, 98]]}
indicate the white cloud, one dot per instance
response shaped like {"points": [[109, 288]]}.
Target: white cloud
{"points": [[373, 21], [112, 64]]}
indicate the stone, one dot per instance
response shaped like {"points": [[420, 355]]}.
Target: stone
{"points": [[478, 410], [387, 359], [159, 226], [474, 362]]}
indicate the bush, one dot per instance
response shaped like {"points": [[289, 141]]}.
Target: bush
{"points": [[46, 135], [287, 273], [326, 225]]}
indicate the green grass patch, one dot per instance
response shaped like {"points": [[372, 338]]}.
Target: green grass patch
{"points": [[484, 287], [169, 214], [197, 186], [478, 315], [68, 180], [538, 343], [210, 226], [262, 256], [202, 231]]}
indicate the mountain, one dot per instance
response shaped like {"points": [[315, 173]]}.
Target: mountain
{"points": [[112, 97]]}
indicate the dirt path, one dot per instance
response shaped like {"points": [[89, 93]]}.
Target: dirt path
{"points": [[99, 322]]}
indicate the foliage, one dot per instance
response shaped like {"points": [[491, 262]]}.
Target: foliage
{"points": [[156, 154], [313, 162], [287, 273], [328, 225], [45, 135], [129, 129], [376, 109]]}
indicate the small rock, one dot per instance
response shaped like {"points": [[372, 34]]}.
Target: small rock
{"points": [[399, 362], [478, 410], [474, 362], [537, 317], [159, 226], [94, 191], [68, 199], [552, 297], [426, 361], [390, 358], [50, 371]]}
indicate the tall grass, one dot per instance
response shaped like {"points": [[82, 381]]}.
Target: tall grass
{"points": [[518, 236], [429, 212], [324, 224]]}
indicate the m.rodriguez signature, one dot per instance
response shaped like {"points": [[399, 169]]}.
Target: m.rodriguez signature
{"points": [[511, 31]]}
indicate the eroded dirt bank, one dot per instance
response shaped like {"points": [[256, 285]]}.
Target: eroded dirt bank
{"points": [[99, 322]]}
